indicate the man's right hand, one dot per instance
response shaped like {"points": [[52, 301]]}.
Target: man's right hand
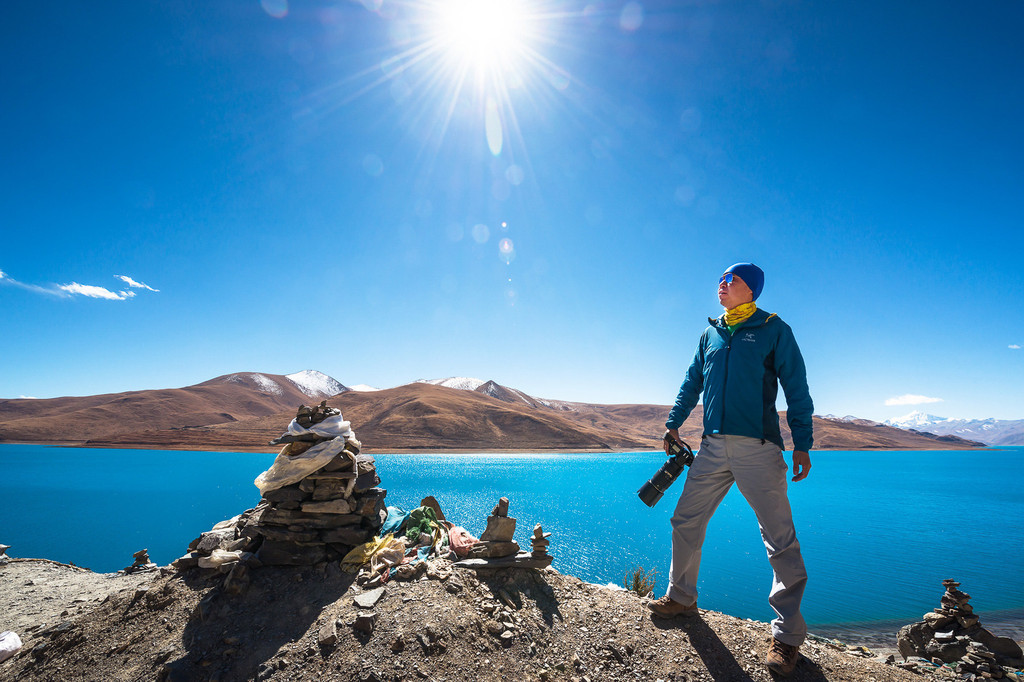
{"points": [[675, 434]]}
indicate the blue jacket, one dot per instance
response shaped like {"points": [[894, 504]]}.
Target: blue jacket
{"points": [[739, 375]]}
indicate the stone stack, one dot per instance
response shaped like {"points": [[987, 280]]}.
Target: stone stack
{"points": [[326, 514], [141, 563], [539, 544], [329, 511], [953, 634], [319, 500], [497, 539], [498, 549]]}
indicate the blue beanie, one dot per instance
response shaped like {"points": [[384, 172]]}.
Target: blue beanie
{"points": [[751, 275]]}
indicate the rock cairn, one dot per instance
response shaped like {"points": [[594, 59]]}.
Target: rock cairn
{"points": [[952, 634], [539, 543], [142, 563], [319, 500], [498, 539], [497, 547]]}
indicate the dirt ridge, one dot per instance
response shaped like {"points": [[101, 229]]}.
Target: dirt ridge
{"points": [[298, 624]]}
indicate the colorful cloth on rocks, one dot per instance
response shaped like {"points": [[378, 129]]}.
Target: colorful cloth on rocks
{"points": [[395, 521], [365, 552], [460, 541], [421, 520]]}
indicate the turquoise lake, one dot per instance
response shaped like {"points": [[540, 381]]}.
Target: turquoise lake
{"points": [[879, 530]]}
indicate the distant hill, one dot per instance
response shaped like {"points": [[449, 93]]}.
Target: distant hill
{"points": [[244, 411], [228, 398], [989, 431]]}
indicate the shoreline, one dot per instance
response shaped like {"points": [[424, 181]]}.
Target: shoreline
{"points": [[263, 449]]}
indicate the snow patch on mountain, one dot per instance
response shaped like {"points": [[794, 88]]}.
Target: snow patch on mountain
{"points": [[916, 420], [511, 395], [362, 388], [461, 383], [316, 384], [262, 382]]}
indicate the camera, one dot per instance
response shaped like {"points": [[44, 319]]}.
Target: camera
{"points": [[680, 456]]}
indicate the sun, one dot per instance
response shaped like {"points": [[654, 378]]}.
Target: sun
{"points": [[483, 34], [470, 63]]}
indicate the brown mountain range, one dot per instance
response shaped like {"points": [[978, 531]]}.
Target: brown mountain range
{"points": [[225, 399], [246, 410]]}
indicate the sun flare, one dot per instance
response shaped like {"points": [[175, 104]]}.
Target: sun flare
{"points": [[482, 33], [470, 63]]}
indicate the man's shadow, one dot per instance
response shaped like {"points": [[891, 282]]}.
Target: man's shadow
{"points": [[719, 660]]}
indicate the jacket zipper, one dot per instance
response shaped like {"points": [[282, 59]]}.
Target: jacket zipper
{"points": [[725, 379]]}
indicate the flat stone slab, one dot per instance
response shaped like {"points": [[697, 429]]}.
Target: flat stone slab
{"points": [[523, 560], [367, 600]]}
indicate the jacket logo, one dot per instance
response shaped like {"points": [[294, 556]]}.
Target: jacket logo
{"points": [[749, 336]]}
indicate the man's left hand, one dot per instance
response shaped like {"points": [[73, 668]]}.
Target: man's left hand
{"points": [[801, 465]]}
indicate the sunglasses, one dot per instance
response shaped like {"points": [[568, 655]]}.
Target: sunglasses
{"points": [[726, 278]]}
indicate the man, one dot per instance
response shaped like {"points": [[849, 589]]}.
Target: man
{"points": [[740, 360]]}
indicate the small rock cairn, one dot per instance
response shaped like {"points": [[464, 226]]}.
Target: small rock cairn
{"points": [[497, 540], [952, 634], [498, 549], [319, 500], [141, 563]]}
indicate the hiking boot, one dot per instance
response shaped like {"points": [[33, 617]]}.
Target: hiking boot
{"points": [[666, 607], [782, 657]]}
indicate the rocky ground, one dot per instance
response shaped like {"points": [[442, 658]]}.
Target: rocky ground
{"points": [[300, 624]]}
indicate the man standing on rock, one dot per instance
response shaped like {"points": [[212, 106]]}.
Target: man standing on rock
{"points": [[740, 360]]}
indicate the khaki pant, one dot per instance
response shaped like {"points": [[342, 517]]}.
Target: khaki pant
{"points": [[760, 474]]}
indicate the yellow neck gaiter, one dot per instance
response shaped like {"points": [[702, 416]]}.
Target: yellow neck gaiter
{"points": [[739, 314]]}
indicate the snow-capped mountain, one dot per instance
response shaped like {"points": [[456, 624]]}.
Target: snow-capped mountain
{"points": [[988, 431], [496, 390], [362, 388], [916, 420], [316, 384], [309, 382], [848, 419], [461, 383]]}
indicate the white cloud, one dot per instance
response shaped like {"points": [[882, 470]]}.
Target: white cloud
{"points": [[133, 284], [7, 279], [1012, 346], [76, 289], [95, 292], [911, 399]]}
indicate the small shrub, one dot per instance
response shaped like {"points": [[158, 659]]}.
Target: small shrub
{"points": [[640, 581]]}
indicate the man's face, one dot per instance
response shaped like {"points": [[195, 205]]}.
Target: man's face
{"points": [[734, 293]]}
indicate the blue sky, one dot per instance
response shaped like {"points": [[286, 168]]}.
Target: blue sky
{"points": [[374, 191]]}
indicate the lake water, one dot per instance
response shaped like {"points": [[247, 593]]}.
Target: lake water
{"points": [[879, 530]]}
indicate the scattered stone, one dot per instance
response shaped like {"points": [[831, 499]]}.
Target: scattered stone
{"points": [[365, 621], [398, 644], [429, 501], [238, 579], [367, 600], [328, 633]]}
